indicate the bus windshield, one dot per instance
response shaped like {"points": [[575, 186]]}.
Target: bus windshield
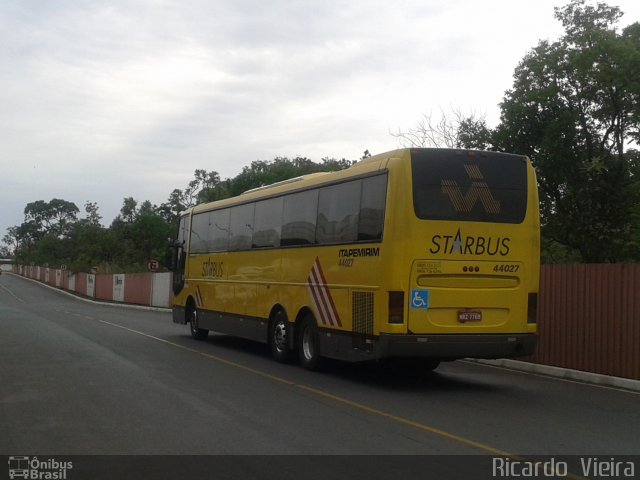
{"points": [[469, 186]]}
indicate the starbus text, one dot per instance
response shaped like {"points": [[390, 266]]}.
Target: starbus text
{"points": [[470, 245]]}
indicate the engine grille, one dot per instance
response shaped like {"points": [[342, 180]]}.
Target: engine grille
{"points": [[362, 312]]}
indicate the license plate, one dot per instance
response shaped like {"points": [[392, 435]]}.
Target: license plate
{"points": [[469, 316]]}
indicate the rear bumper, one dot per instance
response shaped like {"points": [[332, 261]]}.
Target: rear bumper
{"points": [[457, 346]]}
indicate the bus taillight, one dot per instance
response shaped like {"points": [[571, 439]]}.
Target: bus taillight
{"points": [[396, 307]]}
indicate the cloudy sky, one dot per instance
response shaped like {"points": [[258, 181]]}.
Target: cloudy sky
{"points": [[104, 100]]}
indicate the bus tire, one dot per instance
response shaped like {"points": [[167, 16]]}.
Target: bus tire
{"points": [[196, 332], [279, 332], [309, 343]]}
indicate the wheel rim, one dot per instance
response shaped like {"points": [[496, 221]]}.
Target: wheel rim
{"points": [[308, 344], [280, 336], [194, 321]]}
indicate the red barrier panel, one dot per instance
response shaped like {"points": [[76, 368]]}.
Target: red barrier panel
{"points": [[81, 283], [589, 318], [104, 287], [137, 288]]}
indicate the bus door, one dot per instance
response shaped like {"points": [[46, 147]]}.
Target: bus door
{"points": [[179, 255]]}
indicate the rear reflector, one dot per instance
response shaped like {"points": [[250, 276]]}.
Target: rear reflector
{"points": [[396, 307]]}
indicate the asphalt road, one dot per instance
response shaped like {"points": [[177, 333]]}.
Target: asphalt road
{"points": [[81, 378]]}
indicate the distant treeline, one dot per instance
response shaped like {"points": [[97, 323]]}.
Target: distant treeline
{"points": [[52, 234]]}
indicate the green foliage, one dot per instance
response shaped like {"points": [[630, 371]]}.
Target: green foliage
{"points": [[573, 109], [51, 233], [261, 173], [50, 218], [196, 192]]}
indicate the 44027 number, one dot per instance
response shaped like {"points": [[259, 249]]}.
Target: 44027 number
{"points": [[506, 268], [346, 262]]}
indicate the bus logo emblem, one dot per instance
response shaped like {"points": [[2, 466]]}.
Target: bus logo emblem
{"points": [[479, 190]]}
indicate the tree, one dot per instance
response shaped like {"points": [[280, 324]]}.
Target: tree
{"points": [[205, 186], [261, 172], [93, 217], [11, 240], [128, 211], [573, 109], [453, 130], [54, 217], [52, 234]]}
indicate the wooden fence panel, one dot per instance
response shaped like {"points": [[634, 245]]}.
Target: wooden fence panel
{"points": [[589, 318], [138, 288]]}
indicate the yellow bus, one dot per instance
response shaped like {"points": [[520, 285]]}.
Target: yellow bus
{"points": [[426, 253]]}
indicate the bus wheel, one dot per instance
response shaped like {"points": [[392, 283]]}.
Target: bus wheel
{"points": [[196, 332], [279, 332], [309, 343]]}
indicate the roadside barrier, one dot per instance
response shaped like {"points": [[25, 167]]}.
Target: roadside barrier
{"points": [[150, 289], [588, 315]]}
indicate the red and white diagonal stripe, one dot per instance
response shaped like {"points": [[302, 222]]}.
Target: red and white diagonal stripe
{"points": [[199, 301], [321, 296]]}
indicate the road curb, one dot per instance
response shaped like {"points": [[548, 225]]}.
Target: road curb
{"points": [[565, 373]]}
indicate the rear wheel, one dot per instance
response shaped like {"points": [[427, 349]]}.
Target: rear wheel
{"points": [[309, 343], [196, 332], [279, 333]]}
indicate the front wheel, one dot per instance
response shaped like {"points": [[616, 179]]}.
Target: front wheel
{"points": [[309, 343], [196, 332]]}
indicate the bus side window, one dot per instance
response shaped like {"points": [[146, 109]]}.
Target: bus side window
{"points": [[219, 230], [338, 212], [268, 223], [241, 227], [372, 207], [299, 218]]}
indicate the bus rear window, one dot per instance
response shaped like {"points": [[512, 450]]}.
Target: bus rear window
{"points": [[469, 186]]}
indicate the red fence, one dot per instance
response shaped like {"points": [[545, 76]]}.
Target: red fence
{"points": [[589, 318], [151, 289], [138, 289], [104, 287], [588, 315]]}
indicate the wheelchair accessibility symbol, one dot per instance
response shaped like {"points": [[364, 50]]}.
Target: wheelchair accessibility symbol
{"points": [[420, 299]]}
